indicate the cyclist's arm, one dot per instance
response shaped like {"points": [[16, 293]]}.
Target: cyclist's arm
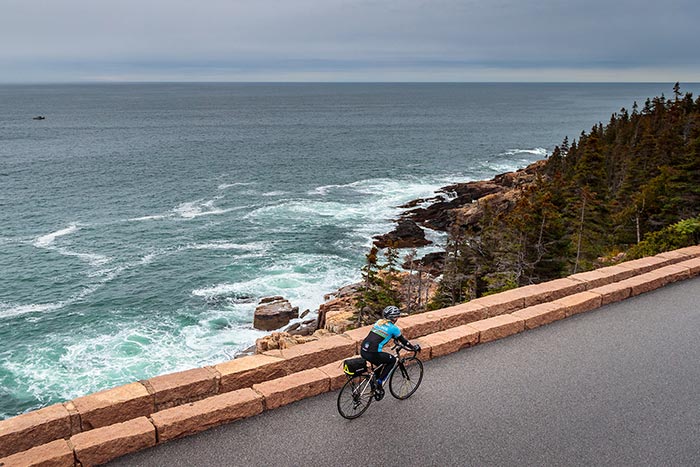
{"points": [[398, 337], [403, 341]]}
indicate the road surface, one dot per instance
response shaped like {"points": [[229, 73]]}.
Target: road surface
{"points": [[616, 386]]}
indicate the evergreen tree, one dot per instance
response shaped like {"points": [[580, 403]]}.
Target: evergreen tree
{"points": [[597, 196]]}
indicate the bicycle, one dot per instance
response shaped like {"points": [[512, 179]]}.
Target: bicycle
{"points": [[361, 388]]}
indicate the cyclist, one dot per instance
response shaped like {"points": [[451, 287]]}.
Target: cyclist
{"points": [[383, 330]]}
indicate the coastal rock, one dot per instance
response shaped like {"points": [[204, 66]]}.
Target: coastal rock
{"points": [[340, 322], [407, 234], [345, 291], [496, 202], [304, 328], [465, 202], [431, 263], [276, 298], [273, 313], [280, 340], [337, 315]]}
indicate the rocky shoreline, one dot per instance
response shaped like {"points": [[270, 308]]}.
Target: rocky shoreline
{"points": [[459, 203]]}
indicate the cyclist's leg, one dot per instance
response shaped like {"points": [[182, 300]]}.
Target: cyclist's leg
{"points": [[388, 360]]}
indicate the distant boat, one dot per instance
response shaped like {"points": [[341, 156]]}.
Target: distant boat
{"points": [[39, 117]]}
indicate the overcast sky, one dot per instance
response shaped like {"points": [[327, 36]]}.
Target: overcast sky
{"points": [[349, 40]]}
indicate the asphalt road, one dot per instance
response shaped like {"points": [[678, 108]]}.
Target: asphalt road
{"points": [[616, 386]]}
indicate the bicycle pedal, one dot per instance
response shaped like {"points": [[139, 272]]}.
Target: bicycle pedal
{"points": [[379, 394]]}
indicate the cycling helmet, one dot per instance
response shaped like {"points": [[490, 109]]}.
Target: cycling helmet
{"points": [[391, 312]]}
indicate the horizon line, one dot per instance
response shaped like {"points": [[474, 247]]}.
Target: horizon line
{"points": [[91, 82]]}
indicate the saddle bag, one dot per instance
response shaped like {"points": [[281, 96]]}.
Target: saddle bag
{"points": [[354, 366]]}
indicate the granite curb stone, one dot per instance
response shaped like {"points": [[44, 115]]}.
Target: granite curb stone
{"points": [[103, 444], [603, 276], [246, 371], [54, 454], [292, 388], [548, 291], [33, 429], [579, 303], [451, 340], [461, 314], [182, 387], [198, 416], [539, 315], [320, 352], [611, 293], [500, 303], [498, 327], [693, 266], [644, 265], [420, 324], [335, 373], [114, 405]]}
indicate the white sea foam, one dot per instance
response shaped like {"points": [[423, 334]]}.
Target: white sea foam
{"points": [[225, 186], [8, 240], [323, 190], [93, 259], [541, 152], [148, 259], [224, 245], [46, 240], [301, 278], [124, 352], [275, 193], [149, 218], [193, 209], [9, 310]]}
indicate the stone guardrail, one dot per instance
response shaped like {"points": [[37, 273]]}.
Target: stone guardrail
{"points": [[99, 427]]}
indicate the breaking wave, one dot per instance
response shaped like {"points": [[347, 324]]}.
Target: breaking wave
{"points": [[47, 240], [540, 152]]}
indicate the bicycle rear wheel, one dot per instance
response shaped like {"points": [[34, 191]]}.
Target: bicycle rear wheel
{"points": [[406, 378], [355, 397]]}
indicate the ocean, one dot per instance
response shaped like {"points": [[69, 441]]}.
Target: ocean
{"points": [[140, 224]]}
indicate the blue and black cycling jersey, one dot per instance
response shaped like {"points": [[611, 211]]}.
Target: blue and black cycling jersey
{"points": [[381, 332]]}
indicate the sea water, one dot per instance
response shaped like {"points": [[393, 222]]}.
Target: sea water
{"points": [[140, 224]]}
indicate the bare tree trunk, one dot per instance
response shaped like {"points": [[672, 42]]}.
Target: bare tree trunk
{"points": [[580, 235], [539, 238], [409, 286]]}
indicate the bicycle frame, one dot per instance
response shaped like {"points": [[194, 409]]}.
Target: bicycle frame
{"points": [[398, 363]]}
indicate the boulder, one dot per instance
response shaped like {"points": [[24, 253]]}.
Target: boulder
{"points": [[407, 234], [273, 313]]}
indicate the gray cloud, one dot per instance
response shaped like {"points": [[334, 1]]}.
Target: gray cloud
{"points": [[349, 40]]}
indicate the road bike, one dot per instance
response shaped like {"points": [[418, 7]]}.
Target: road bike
{"points": [[361, 388]]}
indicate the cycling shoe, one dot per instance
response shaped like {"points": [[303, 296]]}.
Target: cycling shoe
{"points": [[379, 394]]}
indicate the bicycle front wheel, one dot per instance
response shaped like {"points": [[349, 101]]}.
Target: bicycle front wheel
{"points": [[406, 378], [355, 396]]}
